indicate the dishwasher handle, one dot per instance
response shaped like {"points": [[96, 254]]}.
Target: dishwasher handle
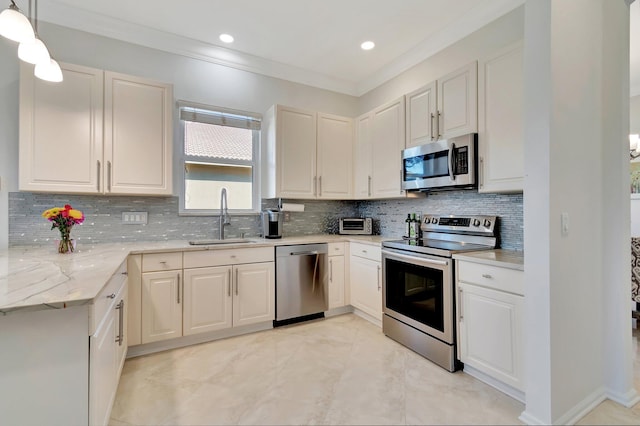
{"points": [[304, 253]]}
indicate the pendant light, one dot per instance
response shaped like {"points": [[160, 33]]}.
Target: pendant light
{"points": [[14, 25], [34, 51], [49, 71]]}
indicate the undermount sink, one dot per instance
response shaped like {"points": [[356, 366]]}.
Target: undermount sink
{"points": [[225, 241]]}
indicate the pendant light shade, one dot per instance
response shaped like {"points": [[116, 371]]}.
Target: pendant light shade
{"points": [[14, 25], [49, 71], [34, 52]]}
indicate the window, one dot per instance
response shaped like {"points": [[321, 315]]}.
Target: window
{"points": [[220, 150]]}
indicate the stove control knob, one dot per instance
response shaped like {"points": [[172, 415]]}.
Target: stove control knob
{"points": [[476, 222], [487, 223], [427, 220], [434, 220]]}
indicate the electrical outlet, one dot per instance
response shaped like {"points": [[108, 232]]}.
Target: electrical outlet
{"points": [[287, 216], [134, 218]]}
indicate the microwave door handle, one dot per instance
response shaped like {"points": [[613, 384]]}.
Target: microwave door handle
{"points": [[451, 163]]}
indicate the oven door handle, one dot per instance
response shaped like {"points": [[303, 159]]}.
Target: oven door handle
{"points": [[416, 258]]}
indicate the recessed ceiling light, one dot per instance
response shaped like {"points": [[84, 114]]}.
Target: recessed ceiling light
{"points": [[368, 45], [226, 38]]}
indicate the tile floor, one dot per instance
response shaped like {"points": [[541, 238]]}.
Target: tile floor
{"points": [[340, 370]]}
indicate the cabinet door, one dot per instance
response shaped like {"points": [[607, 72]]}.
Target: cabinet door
{"points": [[103, 369], [490, 332], [500, 113], [335, 163], [253, 293], [387, 138], [207, 299], [161, 306], [362, 158], [336, 281], [61, 131], [366, 286], [296, 153], [421, 116], [138, 135], [122, 322], [458, 102]]}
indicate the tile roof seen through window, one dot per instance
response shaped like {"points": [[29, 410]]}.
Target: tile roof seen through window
{"points": [[210, 140]]}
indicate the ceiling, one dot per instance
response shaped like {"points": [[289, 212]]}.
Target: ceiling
{"points": [[310, 42]]}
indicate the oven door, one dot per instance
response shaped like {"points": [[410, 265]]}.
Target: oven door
{"points": [[418, 290]]}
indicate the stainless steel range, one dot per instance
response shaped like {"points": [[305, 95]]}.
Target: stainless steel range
{"points": [[418, 283]]}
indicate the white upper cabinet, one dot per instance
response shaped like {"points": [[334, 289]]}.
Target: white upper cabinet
{"points": [[61, 131], [137, 127], [387, 143], [95, 132], [421, 116], [501, 132], [362, 157], [306, 155], [458, 102], [444, 108], [335, 162]]}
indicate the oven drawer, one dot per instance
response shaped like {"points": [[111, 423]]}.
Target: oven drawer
{"points": [[366, 251], [495, 277]]}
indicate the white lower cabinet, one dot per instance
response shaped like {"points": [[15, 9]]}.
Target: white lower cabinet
{"points": [[366, 279], [490, 310], [207, 299], [107, 348], [254, 293], [337, 270], [161, 305]]}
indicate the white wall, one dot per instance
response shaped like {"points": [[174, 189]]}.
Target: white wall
{"points": [[193, 80], [576, 122]]}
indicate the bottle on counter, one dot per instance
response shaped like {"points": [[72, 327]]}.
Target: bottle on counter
{"points": [[412, 227], [407, 226]]}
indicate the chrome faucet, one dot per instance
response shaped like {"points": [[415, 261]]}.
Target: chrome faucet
{"points": [[224, 212]]}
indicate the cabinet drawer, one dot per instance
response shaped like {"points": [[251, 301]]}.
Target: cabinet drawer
{"points": [[336, 249], [503, 279], [205, 258], [366, 251], [161, 261], [107, 297]]}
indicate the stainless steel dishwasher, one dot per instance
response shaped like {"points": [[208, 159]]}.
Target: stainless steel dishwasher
{"points": [[301, 282]]}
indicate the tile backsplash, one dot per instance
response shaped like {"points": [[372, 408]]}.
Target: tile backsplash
{"points": [[103, 223]]}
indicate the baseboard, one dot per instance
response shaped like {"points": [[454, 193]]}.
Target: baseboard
{"points": [[366, 316], [583, 408], [528, 419], [179, 342], [628, 399], [338, 311], [502, 387]]}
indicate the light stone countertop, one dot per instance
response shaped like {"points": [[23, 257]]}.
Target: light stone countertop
{"points": [[37, 277], [511, 259]]}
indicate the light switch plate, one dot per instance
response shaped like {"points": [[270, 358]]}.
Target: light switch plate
{"points": [[134, 218]]}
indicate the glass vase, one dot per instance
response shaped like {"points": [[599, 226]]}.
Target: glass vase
{"points": [[66, 244]]}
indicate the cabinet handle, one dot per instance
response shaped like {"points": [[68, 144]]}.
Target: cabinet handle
{"points": [[460, 304], [178, 287], [98, 187], [109, 176], [125, 273], [488, 276], [315, 185], [111, 296], [320, 186], [229, 285], [440, 119], [431, 133], [331, 270], [481, 171], [236, 282], [120, 307], [379, 286], [369, 186], [401, 178]]}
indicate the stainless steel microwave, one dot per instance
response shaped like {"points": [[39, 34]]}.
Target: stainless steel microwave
{"points": [[356, 226], [441, 165]]}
